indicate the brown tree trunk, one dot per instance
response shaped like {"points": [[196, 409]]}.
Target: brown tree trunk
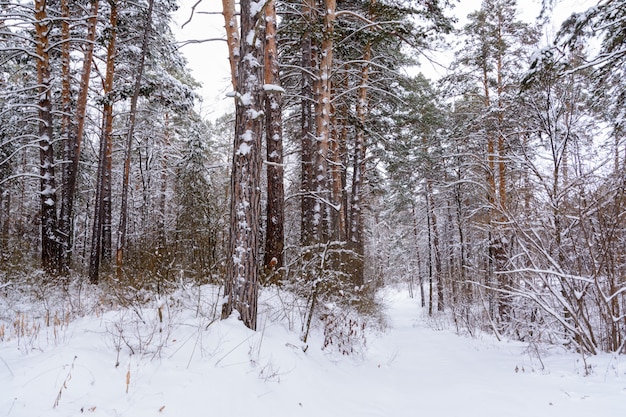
{"points": [[241, 287], [161, 216], [338, 175], [467, 288], [430, 254], [492, 246], [501, 139], [101, 232], [356, 238], [307, 134], [5, 215], [275, 235], [68, 149], [49, 239], [418, 257], [435, 245], [73, 144], [232, 38], [499, 249], [321, 209]]}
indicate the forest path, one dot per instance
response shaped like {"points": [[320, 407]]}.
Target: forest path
{"points": [[436, 372]]}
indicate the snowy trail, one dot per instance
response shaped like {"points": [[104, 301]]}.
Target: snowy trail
{"points": [[440, 373], [225, 369]]}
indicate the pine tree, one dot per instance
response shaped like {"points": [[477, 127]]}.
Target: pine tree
{"points": [[275, 217], [241, 287]]}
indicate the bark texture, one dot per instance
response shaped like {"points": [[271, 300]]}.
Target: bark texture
{"points": [[101, 232], [49, 241], [307, 130], [241, 287], [275, 234], [73, 142]]}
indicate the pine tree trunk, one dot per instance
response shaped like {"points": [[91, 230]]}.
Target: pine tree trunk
{"points": [[356, 238], [275, 235], [68, 148], [5, 215], [499, 249], [430, 254], [491, 195], [467, 288], [338, 175], [73, 145], [232, 38], [241, 287], [161, 219], [307, 135], [49, 240], [418, 257], [502, 157], [435, 245], [101, 232], [321, 209]]}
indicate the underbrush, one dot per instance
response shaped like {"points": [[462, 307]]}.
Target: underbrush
{"points": [[36, 313]]}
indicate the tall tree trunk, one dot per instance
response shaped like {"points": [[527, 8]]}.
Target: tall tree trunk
{"points": [[491, 194], [307, 135], [68, 149], [232, 38], [5, 215], [161, 216], [49, 240], [121, 232], [418, 257], [467, 288], [241, 287], [499, 250], [72, 146], [321, 209], [101, 232], [338, 176], [356, 238], [501, 139], [430, 254], [275, 235], [453, 263], [435, 245]]}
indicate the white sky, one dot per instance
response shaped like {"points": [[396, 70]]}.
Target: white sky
{"points": [[209, 60]]}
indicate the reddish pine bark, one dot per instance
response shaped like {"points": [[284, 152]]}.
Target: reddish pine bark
{"points": [[49, 240], [307, 131], [232, 38], [101, 232], [275, 235], [241, 287], [356, 238], [73, 141]]}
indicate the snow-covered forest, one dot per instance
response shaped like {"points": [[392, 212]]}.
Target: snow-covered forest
{"points": [[494, 195]]}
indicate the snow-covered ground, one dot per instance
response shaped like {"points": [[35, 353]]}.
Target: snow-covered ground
{"points": [[182, 363]]}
